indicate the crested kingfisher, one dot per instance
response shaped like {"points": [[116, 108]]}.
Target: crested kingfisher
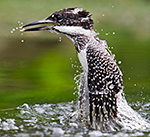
{"points": [[102, 78]]}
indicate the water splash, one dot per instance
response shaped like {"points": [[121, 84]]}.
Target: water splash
{"points": [[18, 28], [60, 120], [127, 118], [8, 124], [51, 119]]}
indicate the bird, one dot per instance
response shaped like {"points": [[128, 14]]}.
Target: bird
{"points": [[102, 78]]}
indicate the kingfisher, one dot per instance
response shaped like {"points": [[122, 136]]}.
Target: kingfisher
{"points": [[102, 78]]}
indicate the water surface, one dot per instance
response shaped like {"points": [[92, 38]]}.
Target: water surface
{"points": [[57, 120]]}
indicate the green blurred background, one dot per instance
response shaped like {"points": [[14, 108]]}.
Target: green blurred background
{"points": [[39, 70]]}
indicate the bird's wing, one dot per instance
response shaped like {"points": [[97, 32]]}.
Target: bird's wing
{"points": [[104, 82]]}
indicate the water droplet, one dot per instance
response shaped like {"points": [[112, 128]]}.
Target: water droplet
{"points": [[113, 56], [113, 6], [16, 27], [134, 84], [21, 33], [119, 62], [114, 33], [101, 29], [141, 93], [18, 21], [59, 39], [107, 33], [12, 31], [129, 78], [22, 40], [77, 71], [103, 15]]}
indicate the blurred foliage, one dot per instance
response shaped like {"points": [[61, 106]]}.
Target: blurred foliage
{"points": [[39, 69]]}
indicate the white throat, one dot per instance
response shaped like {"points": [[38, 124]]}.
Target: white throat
{"points": [[75, 30]]}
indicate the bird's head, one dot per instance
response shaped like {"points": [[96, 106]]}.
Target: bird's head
{"points": [[67, 21]]}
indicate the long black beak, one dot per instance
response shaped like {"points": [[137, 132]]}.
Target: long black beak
{"points": [[47, 24]]}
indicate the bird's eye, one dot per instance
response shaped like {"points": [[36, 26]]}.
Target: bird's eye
{"points": [[58, 17]]}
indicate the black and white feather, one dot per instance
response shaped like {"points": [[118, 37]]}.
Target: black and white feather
{"points": [[104, 82], [102, 76], [102, 79]]}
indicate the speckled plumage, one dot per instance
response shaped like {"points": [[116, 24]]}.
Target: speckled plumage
{"points": [[102, 78], [104, 82]]}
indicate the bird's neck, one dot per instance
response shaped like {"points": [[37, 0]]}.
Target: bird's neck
{"points": [[82, 41], [79, 36]]}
